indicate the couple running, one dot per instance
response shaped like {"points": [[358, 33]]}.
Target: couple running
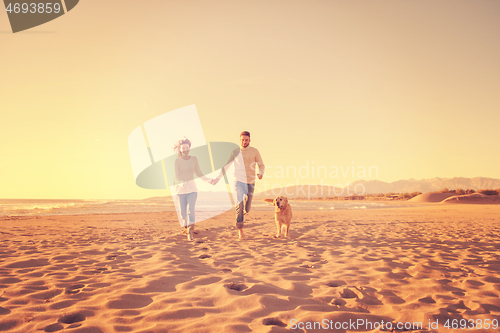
{"points": [[244, 173]]}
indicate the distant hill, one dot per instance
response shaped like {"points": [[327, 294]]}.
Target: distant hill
{"points": [[432, 197], [425, 185], [475, 198], [377, 186], [372, 187]]}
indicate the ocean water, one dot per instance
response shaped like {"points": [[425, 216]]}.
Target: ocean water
{"points": [[45, 207], [39, 207]]}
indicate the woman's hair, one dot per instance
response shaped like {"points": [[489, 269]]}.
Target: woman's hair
{"points": [[178, 144]]}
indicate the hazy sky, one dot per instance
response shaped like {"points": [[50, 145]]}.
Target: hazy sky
{"points": [[409, 87]]}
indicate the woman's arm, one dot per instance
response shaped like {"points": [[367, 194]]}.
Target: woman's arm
{"points": [[228, 164], [198, 172]]}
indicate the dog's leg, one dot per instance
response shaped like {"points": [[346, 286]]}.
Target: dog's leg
{"points": [[278, 229], [286, 232]]}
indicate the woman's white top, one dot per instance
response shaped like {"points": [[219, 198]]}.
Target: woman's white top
{"points": [[184, 175]]}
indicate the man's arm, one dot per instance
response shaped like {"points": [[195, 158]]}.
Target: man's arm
{"points": [[260, 163], [228, 164], [200, 174]]}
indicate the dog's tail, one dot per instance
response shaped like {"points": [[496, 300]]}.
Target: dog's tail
{"points": [[268, 200]]}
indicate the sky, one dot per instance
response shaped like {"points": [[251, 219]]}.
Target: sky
{"points": [[406, 89]]}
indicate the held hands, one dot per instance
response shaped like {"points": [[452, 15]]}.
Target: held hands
{"points": [[259, 175]]}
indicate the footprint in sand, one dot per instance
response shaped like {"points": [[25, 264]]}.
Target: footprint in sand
{"points": [[10, 280], [339, 302], [474, 283], [492, 279], [75, 289], [130, 301], [335, 284], [73, 318], [237, 287], [29, 263], [101, 269], [4, 311], [53, 328], [347, 293], [315, 259], [427, 300], [205, 256], [273, 322]]}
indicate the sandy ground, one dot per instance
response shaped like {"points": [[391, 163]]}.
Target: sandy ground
{"points": [[138, 273]]}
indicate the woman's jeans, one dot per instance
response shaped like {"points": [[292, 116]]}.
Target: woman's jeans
{"points": [[185, 200], [244, 195]]}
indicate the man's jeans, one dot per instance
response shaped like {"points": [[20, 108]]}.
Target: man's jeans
{"points": [[244, 195]]}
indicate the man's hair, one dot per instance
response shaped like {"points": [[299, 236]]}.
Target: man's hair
{"points": [[247, 133]]}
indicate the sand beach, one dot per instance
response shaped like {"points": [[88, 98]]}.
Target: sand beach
{"points": [[138, 273]]}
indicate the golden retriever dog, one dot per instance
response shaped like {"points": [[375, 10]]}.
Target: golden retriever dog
{"points": [[282, 214]]}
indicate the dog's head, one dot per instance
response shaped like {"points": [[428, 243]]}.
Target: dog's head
{"points": [[280, 202]]}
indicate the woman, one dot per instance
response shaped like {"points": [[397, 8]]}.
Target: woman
{"points": [[185, 168]]}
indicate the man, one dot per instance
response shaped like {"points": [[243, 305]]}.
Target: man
{"points": [[245, 158]]}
